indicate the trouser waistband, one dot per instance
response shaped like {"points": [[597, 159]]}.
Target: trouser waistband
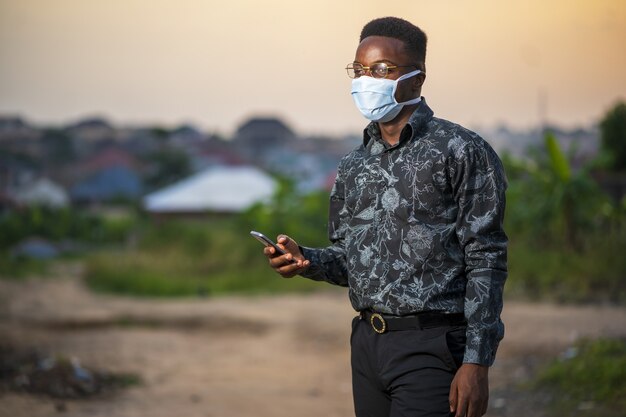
{"points": [[385, 323]]}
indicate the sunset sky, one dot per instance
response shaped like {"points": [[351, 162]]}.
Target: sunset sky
{"points": [[216, 63]]}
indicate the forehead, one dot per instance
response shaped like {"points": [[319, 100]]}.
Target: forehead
{"points": [[381, 48]]}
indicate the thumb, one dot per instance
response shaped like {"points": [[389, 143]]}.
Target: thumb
{"points": [[282, 239], [286, 241], [289, 244]]}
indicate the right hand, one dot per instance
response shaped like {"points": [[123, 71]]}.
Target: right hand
{"points": [[282, 263]]}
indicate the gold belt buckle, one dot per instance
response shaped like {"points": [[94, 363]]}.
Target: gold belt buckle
{"points": [[383, 323]]}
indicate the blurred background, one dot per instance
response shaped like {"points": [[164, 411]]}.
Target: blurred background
{"points": [[140, 142]]}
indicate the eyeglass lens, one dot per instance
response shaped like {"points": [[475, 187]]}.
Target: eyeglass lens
{"points": [[378, 70]]}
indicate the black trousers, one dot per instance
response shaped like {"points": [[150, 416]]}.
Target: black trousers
{"points": [[404, 373]]}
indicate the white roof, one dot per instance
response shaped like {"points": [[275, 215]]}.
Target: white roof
{"points": [[222, 189], [42, 191]]}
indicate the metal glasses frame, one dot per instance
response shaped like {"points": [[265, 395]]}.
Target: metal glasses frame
{"points": [[353, 66]]}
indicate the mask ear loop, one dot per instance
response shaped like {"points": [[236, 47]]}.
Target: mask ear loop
{"points": [[395, 87]]}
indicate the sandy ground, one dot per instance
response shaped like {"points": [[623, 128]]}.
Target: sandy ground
{"points": [[236, 357]]}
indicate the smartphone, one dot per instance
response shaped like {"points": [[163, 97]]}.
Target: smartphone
{"points": [[268, 242]]}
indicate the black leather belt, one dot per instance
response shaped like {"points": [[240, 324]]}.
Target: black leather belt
{"points": [[385, 323]]}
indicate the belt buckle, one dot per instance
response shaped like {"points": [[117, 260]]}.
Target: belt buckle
{"points": [[383, 323]]}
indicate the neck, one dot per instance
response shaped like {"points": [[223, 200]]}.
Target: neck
{"points": [[391, 130]]}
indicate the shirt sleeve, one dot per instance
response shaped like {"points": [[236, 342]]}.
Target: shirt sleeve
{"points": [[329, 264], [479, 186]]}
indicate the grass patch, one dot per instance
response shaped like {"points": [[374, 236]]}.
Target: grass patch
{"points": [[20, 267], [177, 274], [187, 258], [214, 257], [590, 383], [595, 274]]}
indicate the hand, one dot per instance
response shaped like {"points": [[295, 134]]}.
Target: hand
{"points": [[469, 392], [282, 263]]}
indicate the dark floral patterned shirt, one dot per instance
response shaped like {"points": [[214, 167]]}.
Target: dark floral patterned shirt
{"points": [[418, 227]]}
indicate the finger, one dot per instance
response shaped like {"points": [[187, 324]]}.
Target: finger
{"points": [[473, 409], [269, 251], [478, 404], [283, 242], [480, 408], [288, 260], [281, 260], [290, 270], [288, 244], [461, 405], [453, 397], [291, 261]]}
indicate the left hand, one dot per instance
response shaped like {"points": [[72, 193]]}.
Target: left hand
{"points": [[283, 264], [469, 392]]}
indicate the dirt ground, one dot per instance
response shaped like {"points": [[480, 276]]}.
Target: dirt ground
{"points": [[238, 356]]}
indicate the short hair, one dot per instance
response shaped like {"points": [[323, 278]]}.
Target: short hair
{"points": [[413, 37]]}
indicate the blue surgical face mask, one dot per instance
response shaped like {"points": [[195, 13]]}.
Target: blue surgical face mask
{"points": [[376, 97]]}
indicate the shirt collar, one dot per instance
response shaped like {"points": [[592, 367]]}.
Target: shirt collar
{"points": [[418, 120]]}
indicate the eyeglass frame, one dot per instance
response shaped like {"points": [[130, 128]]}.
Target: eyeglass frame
{"points": [[369, 69]]}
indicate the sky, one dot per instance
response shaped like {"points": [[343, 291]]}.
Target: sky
{"points": [[217, 63]]}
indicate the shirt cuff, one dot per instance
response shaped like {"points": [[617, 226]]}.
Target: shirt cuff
{"points": [[482, 344]]}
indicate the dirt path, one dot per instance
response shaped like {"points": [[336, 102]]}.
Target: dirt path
{"points": [[265, 356]]}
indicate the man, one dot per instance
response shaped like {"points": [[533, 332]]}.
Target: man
{"points": [[415, 224]]}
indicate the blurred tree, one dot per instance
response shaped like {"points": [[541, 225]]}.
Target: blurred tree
{"points": [[303, 217], [613, 135], [59, 146], [551, 202], [168, 166], [59, 224], [160, 133]]}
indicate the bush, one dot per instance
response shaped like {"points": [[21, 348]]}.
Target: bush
{"points": [[559, 274], [303, 217], [594, 378], [189, 258], [61, 224], [565, 234], [20, 267]]}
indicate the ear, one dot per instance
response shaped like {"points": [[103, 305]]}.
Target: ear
{"points": [[419, 81]]}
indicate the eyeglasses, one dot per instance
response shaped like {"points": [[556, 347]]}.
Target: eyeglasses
{"points": [[377, 70]]}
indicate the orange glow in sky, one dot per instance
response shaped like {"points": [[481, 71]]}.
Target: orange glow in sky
{"points": [[215, 63]]}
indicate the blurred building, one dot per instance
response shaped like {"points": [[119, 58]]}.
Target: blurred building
{"points": [[41, 192], [258, 136], [109, 184], [218, 190]]}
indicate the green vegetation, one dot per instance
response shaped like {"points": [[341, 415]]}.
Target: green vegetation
{"points": [[613, 135], [303, 217], [566, 239], [62, 224], [170, 165], [539, 272], [565, 242], [591, 383], [20, 267], [76, 229], [566, 235], [189, 258]]}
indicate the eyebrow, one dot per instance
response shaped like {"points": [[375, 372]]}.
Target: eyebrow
{"points": [[386, 61]]}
